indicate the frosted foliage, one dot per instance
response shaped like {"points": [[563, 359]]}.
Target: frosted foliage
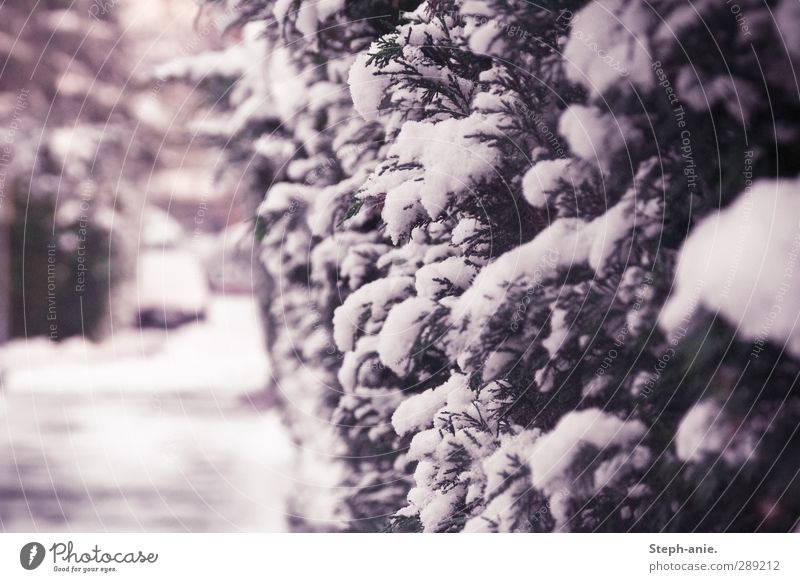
{"points": [[399, 334], [551, 457], [543, 178], [697, 434], [596, 136], [743, 263], [447, 276], [440, 161], [707, 433], [417, 411], [609, 48], [487, 245], [366, 308], [367, 90]]}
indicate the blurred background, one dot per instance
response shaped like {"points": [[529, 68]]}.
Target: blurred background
{"points": [[132, 361]]}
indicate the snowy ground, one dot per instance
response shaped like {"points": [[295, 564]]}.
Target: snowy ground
{"points": [[144, 432]]}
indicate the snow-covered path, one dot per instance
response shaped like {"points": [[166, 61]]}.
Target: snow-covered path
{"points": [[143, 433]]}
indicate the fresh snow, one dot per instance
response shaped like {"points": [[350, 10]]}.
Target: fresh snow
{"points": [[742, 262], [564, 243], [367, 90], [453, 274], [224, 353], [609, 47], [367, 307], [543, 178], [553, 453], [697, 434], [596, 136], [440, 162], [417, 411], [400, 331]]}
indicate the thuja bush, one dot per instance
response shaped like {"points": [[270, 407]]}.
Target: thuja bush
{"points": [[527, 266]]}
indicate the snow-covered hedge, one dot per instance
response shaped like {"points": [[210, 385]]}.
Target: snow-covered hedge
{"points": [[472, 216]]}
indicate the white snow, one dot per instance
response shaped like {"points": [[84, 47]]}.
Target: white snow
{"points": [[287, 86], [171, 281], [560, 244], [708, 431], [417, 411], [280, 9], [447, 276], [424, 443], [610, 229], [366, 307], [438, 509], [223, 353], [439, 160], [466, 228], [596, 136], [558, 332], [553, 454], [400, 331], [697, 434], [743, 263], [402, 209], [281, 196], [367, 90], [542, 179], [609, 46]]}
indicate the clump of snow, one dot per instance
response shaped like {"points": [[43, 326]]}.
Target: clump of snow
{"points": [[464, 230], [559, 328], [402, 209], [400, 332], [503, 484], [424, 443], [697, 436], [543, 178], [596, 136], [448, 276], [288, 86], [552, 455], [707, 431], [743, 263], [309, 14], [368, 305], [417, 411], [562, 243], [367, 89], [497, 465], [610, 229], [429, 164], [609, 46], [282, 197], [438, 508]]}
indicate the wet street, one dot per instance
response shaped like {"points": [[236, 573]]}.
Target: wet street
{"points": [[111, 447]]}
